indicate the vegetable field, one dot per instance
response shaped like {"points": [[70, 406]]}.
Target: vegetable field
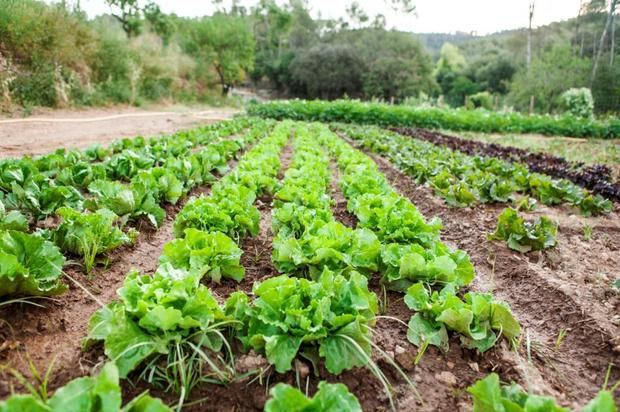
{"points": [[281, 265]]}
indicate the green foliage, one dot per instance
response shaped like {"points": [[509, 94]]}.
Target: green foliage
{"points": [[128, 202], [481, 100], [155, 314], [329, 318], [29, 265], [230, 207], [89, 234], [579, 102], [476, 318], [89, 394], [462, 180], [548, 78], [489, 396], [214, 255], [12, 220], [330, 397], [524, 236], [327, 245], [351, 111], [227, 43], [367, 63]]}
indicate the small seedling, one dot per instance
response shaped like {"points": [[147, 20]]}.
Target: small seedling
{"points": [[587, 232], [560, 339]]}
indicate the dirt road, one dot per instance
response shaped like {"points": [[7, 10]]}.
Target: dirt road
{"points": [[40, 134]]}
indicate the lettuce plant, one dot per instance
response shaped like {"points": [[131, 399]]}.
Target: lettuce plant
{"points": [[233, 214], [329, 318], [489, 396], [476, 318], [330, 397], [523, 236], [12, 220], [327, 245], [213, 255], [128, 202], [404, 265], [156, 317], [101, 393], [161, 183], [29, 265], [90, 234]]}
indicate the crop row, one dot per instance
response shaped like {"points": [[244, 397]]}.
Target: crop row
{"points": [[31, 263], [463, 180], [598, 178], [171, 318], [353, 111]]}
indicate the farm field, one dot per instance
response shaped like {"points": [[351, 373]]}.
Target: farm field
{"points": [[213, 265]]}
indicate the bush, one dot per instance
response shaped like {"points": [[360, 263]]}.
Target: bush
{"points": [[482, 100], [579, 102]]}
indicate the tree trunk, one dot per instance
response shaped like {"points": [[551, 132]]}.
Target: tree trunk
{"points": [[223, 83], [612, 10], [612, 50], [529, 38]]}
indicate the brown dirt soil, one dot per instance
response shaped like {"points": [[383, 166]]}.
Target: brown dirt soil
{"points": [[45, 133]]}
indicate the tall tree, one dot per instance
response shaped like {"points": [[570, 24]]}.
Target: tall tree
{"points": [[227, 44], [529, 36], [599, 52]]}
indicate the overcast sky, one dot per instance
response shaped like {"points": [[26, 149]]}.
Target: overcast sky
{"points": [[480, 16]]}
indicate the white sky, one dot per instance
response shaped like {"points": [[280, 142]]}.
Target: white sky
{"points": [[446, 16]]}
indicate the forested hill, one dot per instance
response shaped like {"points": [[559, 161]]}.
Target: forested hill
{"points": [[587, 30]]}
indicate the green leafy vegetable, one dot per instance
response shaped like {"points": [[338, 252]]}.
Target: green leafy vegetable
{"points": [[330, 397], [89, 234], [329, 318], [128, 202], [214, 255], [490, 396], [524, 236], [29, 265], [100, 393], [477, 318], [12, 220], [155, 314]]}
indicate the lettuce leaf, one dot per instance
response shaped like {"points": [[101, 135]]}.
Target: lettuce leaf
{"points": [[29, 265], [330, 397]]}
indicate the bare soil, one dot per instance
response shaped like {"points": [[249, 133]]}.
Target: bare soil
{"points": [[79, 129]]}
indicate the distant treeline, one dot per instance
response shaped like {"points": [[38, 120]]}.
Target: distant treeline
{"points": [[53, 55]]}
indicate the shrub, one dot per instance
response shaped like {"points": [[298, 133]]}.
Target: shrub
{"points": [[482, 100], [579, 102]]}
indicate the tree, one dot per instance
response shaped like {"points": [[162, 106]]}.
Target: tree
{"points": [[529, 35], [226, 43], [550, 75], [599, 52], [132, 16], [327, 71], [128, 13]]}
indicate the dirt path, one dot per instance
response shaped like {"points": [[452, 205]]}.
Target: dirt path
{"points": [[41, 134]]}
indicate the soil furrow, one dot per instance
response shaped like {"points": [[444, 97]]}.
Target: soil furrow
{"points": [[577, 367]]}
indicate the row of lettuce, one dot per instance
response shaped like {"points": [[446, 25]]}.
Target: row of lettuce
{"points": [[31, 257], [170, 330], [381, 114], [463, 180]]}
